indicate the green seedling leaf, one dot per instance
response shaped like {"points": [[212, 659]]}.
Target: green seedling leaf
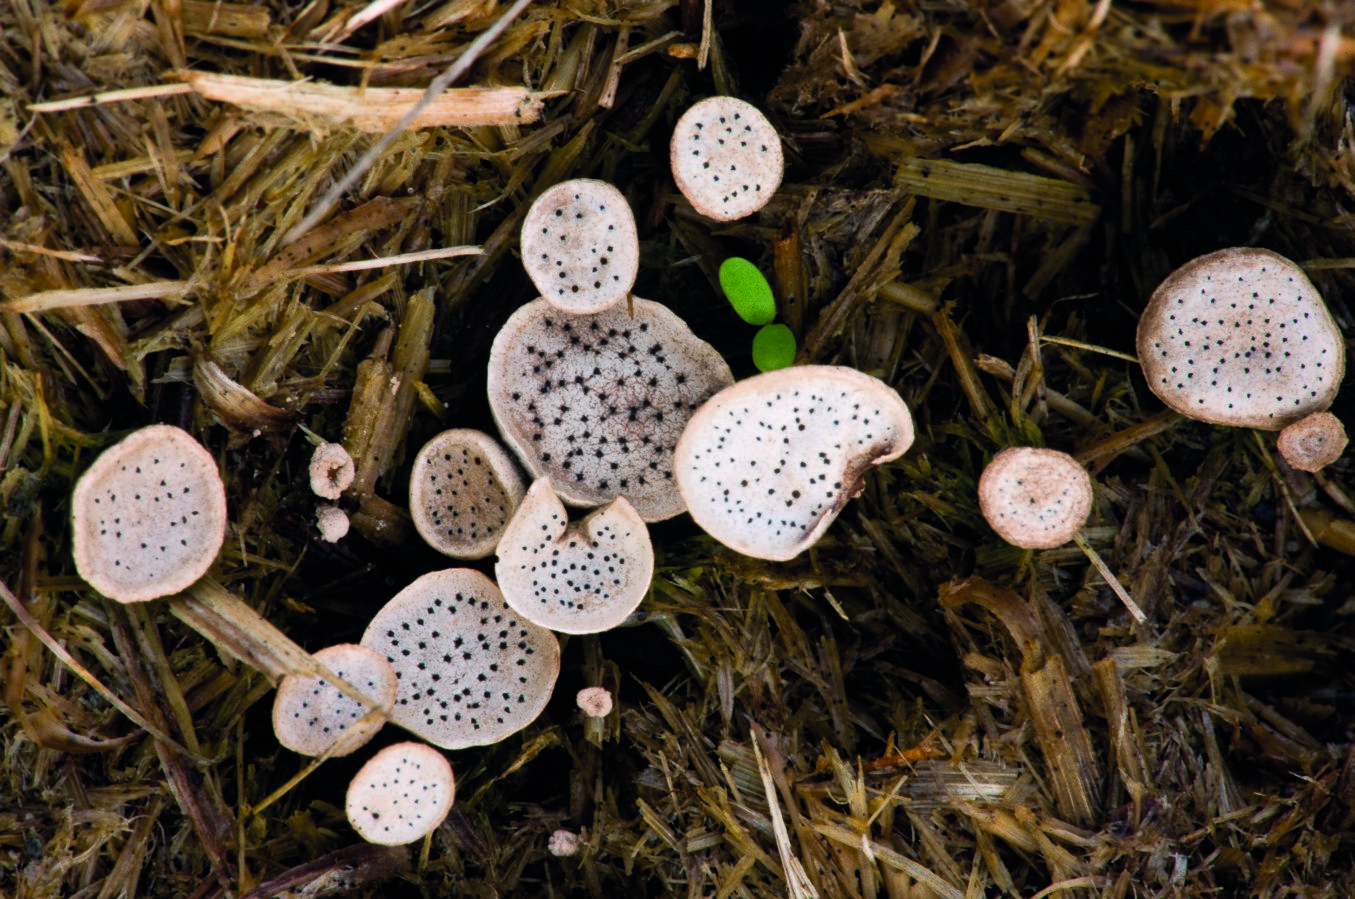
{"points": [[773, 348], [748, 292]]}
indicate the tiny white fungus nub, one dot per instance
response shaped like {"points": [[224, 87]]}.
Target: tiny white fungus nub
{"points": [[310, 714], [332, 470], [332, 522], [579, 246], [462, 492], [726, 158], [149, 516], [596, 702], [1314, 442], [563, 843], [1035, 498], [402, 794]]}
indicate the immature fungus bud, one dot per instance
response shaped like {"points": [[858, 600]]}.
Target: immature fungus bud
{"points": [[331, 470], [580, 247], [1035, 498], [577, 578], [1314, 442], [1241, 337], [471, 671], [402, 794], [597, 402], [726, 158], [462, 492], [149, 516], [563, 843], [766, 465], [332, 522], [310, 714], [596, 702]]}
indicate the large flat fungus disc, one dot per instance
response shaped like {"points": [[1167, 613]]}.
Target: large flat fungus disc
{"points": [[579, 246], [767, 464], [310, 714], [726, 158], [402, 794], [597, 402], [462, 491], [471, 670], [1241, 337]]}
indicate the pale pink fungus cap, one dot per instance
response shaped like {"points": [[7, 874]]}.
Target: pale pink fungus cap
{"points": [[332, 470], [402, 794], [596, 702], [332, 523], [310, 714], [563, 843], [580, 247], [1314, 442], [726, 158], [1035, 498], [462, 492]]}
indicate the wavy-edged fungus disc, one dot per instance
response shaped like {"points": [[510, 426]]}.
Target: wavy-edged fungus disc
{"points": [[1035, 498], [726, 158], [471, 670], [1241, 337], [402, 794], [580, 247], [331, 470], [462, 492], [1313, 442], [149, 516], [597, 402], [766, 465], [579, 578], [310, 714], [596, 702]]}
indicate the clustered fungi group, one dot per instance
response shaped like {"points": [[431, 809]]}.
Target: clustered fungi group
{"points": [[610, 402]]}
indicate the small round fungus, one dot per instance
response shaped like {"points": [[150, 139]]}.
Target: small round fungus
{"points": [[726, 158], [471, 670], [149, 516], [596, 702], [332, 523], [766, 465], [579, 246], [579, 578], [1314, 442], [1241, 337], [332, 470], [1035, 498], [597, 402], [310, 714], [462, 492], [402, 794], [563, 843]]}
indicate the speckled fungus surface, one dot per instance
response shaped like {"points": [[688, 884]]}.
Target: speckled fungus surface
{"points": [[597, 402], [1313, 442], [462, 492], [149, 516], [579, 578], [402, 794], [331, 470], [726, 158], [579, 246], [471, 670], [767, 464], [1241, 337], [1035, 498], [310, 714], [332, 522]]}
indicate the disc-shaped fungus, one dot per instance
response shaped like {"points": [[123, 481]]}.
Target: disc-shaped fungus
{"points": [[471, 670], [766, 465], [462, 492], [310, 714], [331, 470], [1035, 498], [149, 516], [578, 578], [1313, 442], [579, 246], [597, 402], [402, 794], [726, 158]]}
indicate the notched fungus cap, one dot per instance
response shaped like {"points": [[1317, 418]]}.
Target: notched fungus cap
{"points": [[767, 464], [580, 247], [726, 158], [579, 578], [1314, 442], [331, 470], [595, 702], [310, 714], [1035, 498], [1241, 337], [597, 402], [149, 516], [402, 794], [471, 670], [462, 492]]}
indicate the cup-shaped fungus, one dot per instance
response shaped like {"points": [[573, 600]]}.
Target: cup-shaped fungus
{"points": [[471, 670], [579, 246], [310, 714], [595, 702], [402, 794], [331, 470], [1313, 442], [1035, 498], [462, 492], [577, 578], [726, 158], [766, 465], [149, 516], [597, 402]]}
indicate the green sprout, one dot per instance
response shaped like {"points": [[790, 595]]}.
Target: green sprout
{"points": [[751, 296], [773, 347]]}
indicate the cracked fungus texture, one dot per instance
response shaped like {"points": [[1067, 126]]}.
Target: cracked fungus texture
{"points": [[310, 713], [1035, 498], [579, 246], [462, 491], [1241, 337], [597, 402], [767, 464], [726, 158], [471, 670], [402, 794]]}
